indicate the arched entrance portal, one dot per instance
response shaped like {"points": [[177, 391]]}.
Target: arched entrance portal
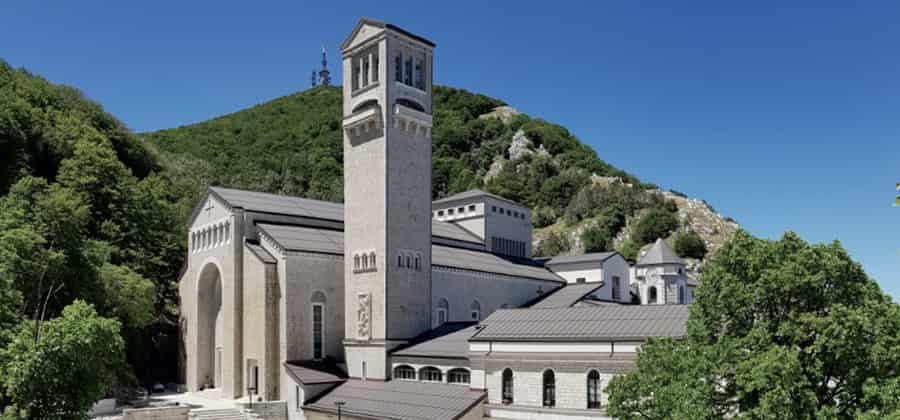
{"points": [[209, 328]]}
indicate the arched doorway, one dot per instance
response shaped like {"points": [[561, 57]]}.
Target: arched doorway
{"points": [[210, 337]]}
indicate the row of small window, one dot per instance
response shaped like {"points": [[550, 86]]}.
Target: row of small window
{"points": [[365, 69], [432, 374], [508, 247], [410, 260], [508, 212], [451, 212], [548, 388], [410, 70], [211, 236], [364, 261]]}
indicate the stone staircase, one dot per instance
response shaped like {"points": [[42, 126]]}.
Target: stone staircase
{"points": [[217, 414]]}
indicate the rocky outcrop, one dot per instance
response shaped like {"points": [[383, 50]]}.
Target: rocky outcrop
{"points": [[502, 113]]}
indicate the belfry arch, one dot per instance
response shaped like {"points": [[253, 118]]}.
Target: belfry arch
{"points": [[210, 334]]}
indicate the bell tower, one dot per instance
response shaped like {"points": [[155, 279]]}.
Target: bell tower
{"points": [[387, 192]]}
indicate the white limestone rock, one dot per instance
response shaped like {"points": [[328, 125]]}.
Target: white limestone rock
{"points": [[520, 146], [502, 113]]}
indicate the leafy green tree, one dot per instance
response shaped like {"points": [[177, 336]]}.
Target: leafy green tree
{"points": [[61, 373], [689, 244], [596, 238], [629, 250], [779, 329], [654, 224]]}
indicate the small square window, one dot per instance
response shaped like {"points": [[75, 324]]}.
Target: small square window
{"points": [[440, 212], [450, 211], [461, 209], [580, 280], [494, 209], [472, 207]]}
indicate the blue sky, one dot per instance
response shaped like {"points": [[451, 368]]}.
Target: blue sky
{"points": [[781, 116]]}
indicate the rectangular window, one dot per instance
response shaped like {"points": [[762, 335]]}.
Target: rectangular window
{"points": [[450, 212], [461, 209], [297, 397], [375, 68], [616, 294], [398, 67], [365, 71], [580, 280], [420, 74], [355, 76], [494, 209], [472, 207], [408, 71], [318, 331], [440, 212]]}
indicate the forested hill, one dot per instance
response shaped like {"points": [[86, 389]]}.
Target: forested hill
{"points": [[292, 145]]}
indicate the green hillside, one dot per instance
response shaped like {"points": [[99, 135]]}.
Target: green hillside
{"points": [[292, 145]]}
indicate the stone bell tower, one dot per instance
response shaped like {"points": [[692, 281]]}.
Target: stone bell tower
{"points": [[387, 192]]}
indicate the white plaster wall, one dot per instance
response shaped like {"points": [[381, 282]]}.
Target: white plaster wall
{"points": [[507, 226], [617, 266]]}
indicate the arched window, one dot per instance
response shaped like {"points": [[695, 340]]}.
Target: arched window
{"points": [[400, 261], [405, 372], [593, 389], [418, 263], [651, 294], [318, 325], [430, 374], [549, 388], [507, 386], [364, 261], [443, 311], [408, 262], [372, 260], [458, 376], [475, 311], [356, 262]]}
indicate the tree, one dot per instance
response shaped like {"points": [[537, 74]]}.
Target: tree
{"points": [[596, 238], [629, 250], [689, 244], [654, 224], [779, 329], [60, 374], [554, 243]]}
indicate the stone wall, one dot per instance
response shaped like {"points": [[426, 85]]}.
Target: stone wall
{"points": [[156, 413]]}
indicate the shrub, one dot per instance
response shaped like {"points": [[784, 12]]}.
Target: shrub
{"points": [[690, 245], [596, 238], [629, 250], [656, 223], [555, 243], [543, 216]]}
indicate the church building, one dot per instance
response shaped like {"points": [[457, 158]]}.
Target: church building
{"points": [[394, 306]]}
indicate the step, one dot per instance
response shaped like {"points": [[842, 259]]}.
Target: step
{"points": [[217, 414]]}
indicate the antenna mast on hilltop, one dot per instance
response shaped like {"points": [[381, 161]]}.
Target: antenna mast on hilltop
{"points": [[324, 74]]}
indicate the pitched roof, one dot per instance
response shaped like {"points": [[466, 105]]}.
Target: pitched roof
{"points": [[585, 323], [487, 262], [450, 340], [567, 295], [381, 24], [660, 253], [300, 238], [592, 257], [280, 204], [400, 400], [472, 194], [312, 372], [316, 209]]}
